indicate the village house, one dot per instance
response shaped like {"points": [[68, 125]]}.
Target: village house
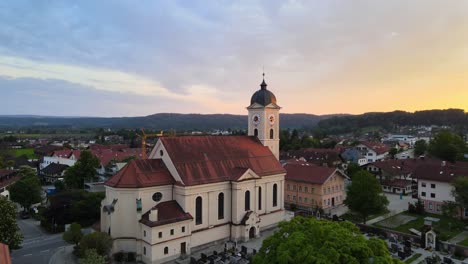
{"points": [[435, 184], [7, 177], [309, 186]]}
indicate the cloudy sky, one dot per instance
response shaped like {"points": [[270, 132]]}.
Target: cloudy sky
{"points": [[129, 58]]}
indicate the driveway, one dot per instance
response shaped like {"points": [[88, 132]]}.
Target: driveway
{"points": [[396, 205], [38, 246]]}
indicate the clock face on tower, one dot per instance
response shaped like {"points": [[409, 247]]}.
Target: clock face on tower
{"points": [[271, 119], [256, 119]]}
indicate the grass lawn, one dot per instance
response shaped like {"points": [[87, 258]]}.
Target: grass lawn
{"points": [[446, 228], [464, 243], [413, 258], [357, 219], [28, 152]]}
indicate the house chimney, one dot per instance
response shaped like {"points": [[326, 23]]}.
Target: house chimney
{"points": [[153, 216]]}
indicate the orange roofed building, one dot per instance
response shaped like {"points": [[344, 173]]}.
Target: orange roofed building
{"points": [[309, 186]]}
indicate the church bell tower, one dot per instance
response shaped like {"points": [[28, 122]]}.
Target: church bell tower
{"points": [[264, 118]]}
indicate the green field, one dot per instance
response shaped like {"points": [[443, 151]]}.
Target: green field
{"points": [[446, 228], [464, 243], [28, 152]]}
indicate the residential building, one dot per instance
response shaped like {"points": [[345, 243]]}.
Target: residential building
{"points": [[194, 191], [317, 156], [309, 186], [352, 155], [54, 172], [435, 184], [373, 151], [7, 177], [4, 254]]}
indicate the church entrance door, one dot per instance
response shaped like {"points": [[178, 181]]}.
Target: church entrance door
{"points": [[252, 232]]}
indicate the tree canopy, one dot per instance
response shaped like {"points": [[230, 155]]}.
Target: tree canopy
{"points": [[420, 147], [84, 169], [9, 230], [308, 240], [364, 195], [26, 191], [447, 146], [73, 234], [99, 241], [460, 192]]}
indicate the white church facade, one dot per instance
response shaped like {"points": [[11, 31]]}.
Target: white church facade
{"points": [[197, 190]]}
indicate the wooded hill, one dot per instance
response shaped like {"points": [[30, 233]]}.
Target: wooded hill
{"points": [[455, 118]]}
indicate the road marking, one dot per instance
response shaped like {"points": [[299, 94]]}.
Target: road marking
{"points": [[44, 251], [27, 255]]}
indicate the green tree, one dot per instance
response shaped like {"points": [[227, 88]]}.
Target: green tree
{"points": [[99, 241], [9, 230], [308, 240], [92, 257], [447, 146], [27, 171], [393, 152], [460, 192], [364, 196], [26, 191], [352, 169], [73, 234], [84, 169], [420, 147]]}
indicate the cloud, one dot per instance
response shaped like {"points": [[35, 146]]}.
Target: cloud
{"points": [[210, 54]]}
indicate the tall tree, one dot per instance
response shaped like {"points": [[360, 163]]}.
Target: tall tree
{"points": [[308, 240], [26, 191], [393, 152], [460, 192], [9, 230], [447, 146], [364, 196], [73, 234], [84, 169], [420, 147]]}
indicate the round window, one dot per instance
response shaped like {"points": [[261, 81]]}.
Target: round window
{"points": [[157, 197]]}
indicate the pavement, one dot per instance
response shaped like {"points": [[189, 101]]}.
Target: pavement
{"points": [[38, 246], [395, 206], [459, 238]]}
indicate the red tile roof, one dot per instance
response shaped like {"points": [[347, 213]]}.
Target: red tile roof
{"points": [[210, 159], [140, 174], [378, 147], [66, 153], [307, 172], [168, 212], [440, 172], [4, 254], [404, 166], [399, 183]]}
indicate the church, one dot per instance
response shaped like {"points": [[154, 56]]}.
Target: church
{"points": [[194, 191]]}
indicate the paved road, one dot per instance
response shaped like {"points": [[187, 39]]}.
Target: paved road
{"points": [[38, 247]]}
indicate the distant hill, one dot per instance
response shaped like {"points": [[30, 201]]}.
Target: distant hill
{"points": [[456, 118], [157, 121]]}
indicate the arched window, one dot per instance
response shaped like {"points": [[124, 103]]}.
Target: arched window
{"points": [[275, 195], [198, 210], [166, 250], [259, 198], [247, 200], [256, 132], [221, 206], [271, 133]]}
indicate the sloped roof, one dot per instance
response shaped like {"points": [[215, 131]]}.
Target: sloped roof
{"points": [[210, 159], [140, 174], [54, 169], [441, 172], [403, 166], [168, 212], [378, 147], [307, 172]]}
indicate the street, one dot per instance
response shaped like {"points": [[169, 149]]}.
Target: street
{"points": [[38, 246]]}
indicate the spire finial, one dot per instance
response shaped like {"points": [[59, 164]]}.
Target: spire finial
{"points": [[263, 85]]}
